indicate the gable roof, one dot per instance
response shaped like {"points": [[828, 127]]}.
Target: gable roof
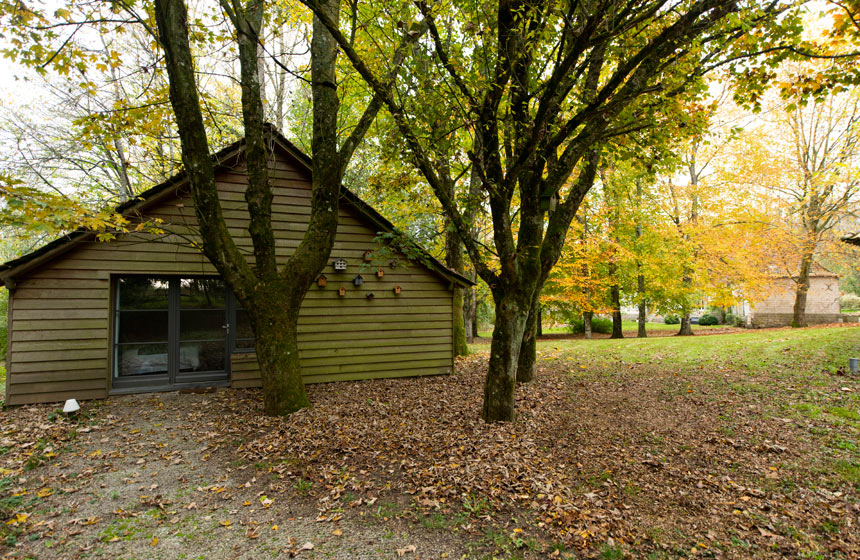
{"points": [[21, 265]]}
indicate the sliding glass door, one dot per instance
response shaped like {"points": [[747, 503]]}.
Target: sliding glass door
{"points": [[170, 331]]}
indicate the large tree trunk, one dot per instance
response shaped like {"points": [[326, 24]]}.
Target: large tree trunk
{"points": [[643, 309], [511, 316], [686, 326], [528, 351], [798, 318], [276, 328], [272, 297]]}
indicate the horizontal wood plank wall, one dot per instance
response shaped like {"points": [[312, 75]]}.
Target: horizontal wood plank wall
{"points": [[59, 342]]}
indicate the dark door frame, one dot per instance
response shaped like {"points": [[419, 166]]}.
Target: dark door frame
{"points": [[168, 382]]}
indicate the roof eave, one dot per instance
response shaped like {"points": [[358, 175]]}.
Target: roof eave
{"points": [[14, 268]]}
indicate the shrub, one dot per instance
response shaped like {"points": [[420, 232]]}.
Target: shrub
{"points": [[672, 320], [601, 325], [849, 301], [730, 318], [598, 325], [708, 320]]}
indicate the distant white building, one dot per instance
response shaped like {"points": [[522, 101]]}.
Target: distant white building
{"points": [[777, 310]]}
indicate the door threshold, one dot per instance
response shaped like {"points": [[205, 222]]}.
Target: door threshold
{"points": [[179, 387]]}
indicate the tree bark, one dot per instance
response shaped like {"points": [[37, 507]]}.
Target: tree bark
{"points": [[455, 260], [470, 320], [586, 322], [798, 318], [617, 326], [272, 297], [276, 330], [528, 351], [499, 385], [468, 314], [640, 278], [686, 326], [461, 347]]}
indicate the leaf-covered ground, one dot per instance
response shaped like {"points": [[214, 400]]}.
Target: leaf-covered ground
{"points": [[728, 446]]}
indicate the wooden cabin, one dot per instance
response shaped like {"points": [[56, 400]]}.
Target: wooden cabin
{"points": [[148, 312]]}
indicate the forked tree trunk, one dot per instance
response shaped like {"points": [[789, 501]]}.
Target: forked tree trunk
{"points": [[686, 326], [528, 351], [510, 323], [271, 295], [798, 318], [586, 323]]}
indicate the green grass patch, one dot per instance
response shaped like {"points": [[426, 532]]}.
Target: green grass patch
{"points": [[849, 470], [803, 353], [627, 326], [844, 413]]}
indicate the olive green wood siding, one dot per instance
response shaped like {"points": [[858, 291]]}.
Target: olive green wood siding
{"points": [[60, 312]]}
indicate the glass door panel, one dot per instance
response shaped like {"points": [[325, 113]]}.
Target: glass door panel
{"points": [[202, 330], [142, 321], [170, 331]]}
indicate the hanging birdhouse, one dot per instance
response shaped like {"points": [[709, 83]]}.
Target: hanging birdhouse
{"points": [[321, 281], [397, 290], [369, 295], [340, 265], [368, 256], [380, 272], [358, 280], [341, 291]]}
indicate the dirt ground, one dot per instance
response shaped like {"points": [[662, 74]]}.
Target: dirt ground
{"points": [[636, 460]]}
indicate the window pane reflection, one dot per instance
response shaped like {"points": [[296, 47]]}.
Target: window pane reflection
{"points": [[137, 292], [202, 293], [201, 356], [141, 359]]}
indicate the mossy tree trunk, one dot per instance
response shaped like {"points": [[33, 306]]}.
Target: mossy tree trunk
{"points": [[271, 295], [511, 314], [531, 152], [528, 352], [455, 260]]}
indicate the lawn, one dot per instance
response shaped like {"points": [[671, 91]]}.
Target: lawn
{"points": [[629, 327], [740, 445]]}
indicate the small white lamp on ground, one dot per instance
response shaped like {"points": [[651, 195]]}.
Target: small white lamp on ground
{"points": [[71, 406]]}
